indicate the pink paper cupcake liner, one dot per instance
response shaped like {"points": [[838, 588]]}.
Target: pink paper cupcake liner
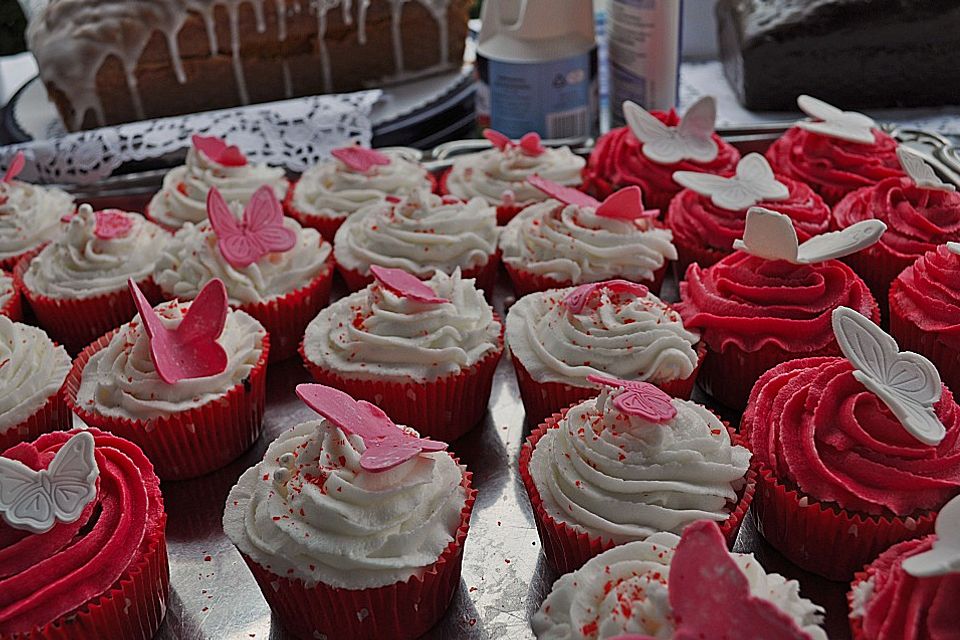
{"points": [[52, 415], [525, 281], [541, 399], [931, 344], [132, 609], [567, 549], [397, 611], [13, 308], [189, 443], [445, 408], [825, 539], [485, 276]]}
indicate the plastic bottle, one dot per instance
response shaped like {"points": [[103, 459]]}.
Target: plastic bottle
{"points": [[537, 68], [644, 41]]}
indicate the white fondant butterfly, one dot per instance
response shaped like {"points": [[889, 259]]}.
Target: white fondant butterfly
{"points": [[753, 183], [920, 172], [768, 234], [835, 123], [34, 500], [692, 139], [954, 247], [944, 557], [906, 382]]}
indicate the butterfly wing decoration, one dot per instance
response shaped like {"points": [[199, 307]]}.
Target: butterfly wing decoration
{"points": [[387, 445], [920, 172], [944, 557], [710, 595], [907, 383], [497, 139], [626, 204], [531, 145], [263, 222], [954, 248], [360, 159], [191, 350], [218, 151], [16, 166], [837, 244], [566, 195], [405, 285], [669, 145], [836, 123], [36, 500], [640, 399], [754, 182]]}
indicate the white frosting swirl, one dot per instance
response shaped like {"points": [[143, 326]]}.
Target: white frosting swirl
{"points": [[334, 190], [32, 369], [626, 591], [575, 245], [325, 519], [29, 216], [420, 234], [79, 265], [376, 334], [6, 288], [173, 207], [616, 333], [624, 478], [120, 380], [192, 259], [500, 177]]}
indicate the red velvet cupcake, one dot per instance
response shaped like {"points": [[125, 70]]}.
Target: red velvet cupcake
{"points": [[710, 214], [10, 303], [841, 476], [93, 563], [837, 153], [642, 154], [925, 310]]}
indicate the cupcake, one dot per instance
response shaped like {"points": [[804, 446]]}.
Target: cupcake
{"points": [[328, 193], [654, 146], [275, 270], [573, 239], [771, 301], [835, 153], [919, 216], [425, 352], [32, 372], [627, 464], [670, 587], [185, 381], [912, 589], [616, 328], [10, 303], [422, 234], [925, 310], [710, 214], [29, 215], [352, 526], [210, 163], [77, 284], [499, 175], [853, 453], [90, 560]]}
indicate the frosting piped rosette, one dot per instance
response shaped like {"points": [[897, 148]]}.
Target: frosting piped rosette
{"points": [[29, 216]]}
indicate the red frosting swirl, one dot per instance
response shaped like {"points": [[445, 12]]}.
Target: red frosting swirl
{"points": [[749, 302], [818, 428], [695, 220], [46, 576], [617, 161], [903, 607], [928, 294], [834, 167]]}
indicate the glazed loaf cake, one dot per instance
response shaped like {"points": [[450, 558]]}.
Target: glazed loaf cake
{"points": [[112, 61], [851, 53]]}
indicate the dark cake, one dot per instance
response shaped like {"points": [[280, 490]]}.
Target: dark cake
{"points": [[851, 53]]}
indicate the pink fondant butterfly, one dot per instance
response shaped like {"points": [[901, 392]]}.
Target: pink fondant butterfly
{"points": [[191, 350], [576, 299], [530, 144], [626, 204], [387, 445], [359, 158], [260, 232], [640, 399], [218, 151], [16, 166], [110, 223], [405, 285]]}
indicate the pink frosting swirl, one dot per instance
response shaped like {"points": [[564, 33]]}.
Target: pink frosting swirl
{"points": [[819, 429]]}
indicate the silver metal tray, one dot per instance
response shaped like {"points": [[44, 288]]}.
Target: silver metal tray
{"points": [[505, 578]]}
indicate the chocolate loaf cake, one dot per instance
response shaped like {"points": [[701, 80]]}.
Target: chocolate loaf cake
{"points": [[851, 53], [113, 61]]}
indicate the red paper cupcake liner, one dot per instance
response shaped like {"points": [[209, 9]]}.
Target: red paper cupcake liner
{"points": [[541, 399], [485, 276], [132, 609], [397, 611], [13, 308], [930, 344], [525, 282], [189, 443], [8, 264], [567, 549], [824, 539], [52, 415], [75, 323], [878, 269], [444, 409]]}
